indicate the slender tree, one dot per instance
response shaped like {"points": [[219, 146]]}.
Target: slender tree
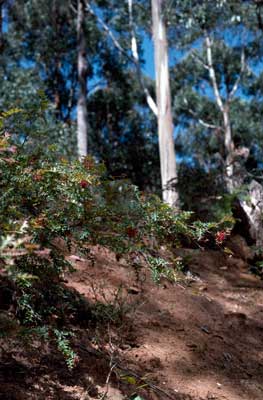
{"points": [[224, 107], [213, 80], [163, 95], [82, 113]]}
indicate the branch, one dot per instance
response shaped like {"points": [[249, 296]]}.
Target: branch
{"points": [[135, 57], [107, 30], [200, 120], [235, 87], [134, 48], [212, 73], [199, 60], [206, 124], [117, 364], [97, 86], [73, 8]]}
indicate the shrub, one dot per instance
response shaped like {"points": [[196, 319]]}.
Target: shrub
{"points": [[45, 198]]}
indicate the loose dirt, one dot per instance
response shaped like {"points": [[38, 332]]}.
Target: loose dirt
{"points": [[196, 339]]}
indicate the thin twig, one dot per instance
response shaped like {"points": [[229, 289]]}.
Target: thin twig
{"points": [[112, 366], [118, 365], [199, 60], [200, 120]]}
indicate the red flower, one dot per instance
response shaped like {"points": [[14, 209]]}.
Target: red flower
{"points": [[220, 237], [37, 177], [84, 183], [131, 232]]}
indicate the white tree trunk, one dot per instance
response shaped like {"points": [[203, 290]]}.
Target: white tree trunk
{"points": [[249, 211], [229, 173], [82, 112], [163, 95], [230, 182]]}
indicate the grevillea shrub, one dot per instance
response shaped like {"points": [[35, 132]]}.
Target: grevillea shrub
{"points": [[45, 198]]}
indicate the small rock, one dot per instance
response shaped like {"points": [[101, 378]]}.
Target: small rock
{"points": [[205, 329]]}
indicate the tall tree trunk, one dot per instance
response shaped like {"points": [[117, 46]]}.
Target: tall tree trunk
{"points": [[229, 152], [163, 95], [82, 112], [229, 148]]}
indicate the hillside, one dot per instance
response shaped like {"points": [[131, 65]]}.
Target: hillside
{"points": [[197, 338], [131, 200]]}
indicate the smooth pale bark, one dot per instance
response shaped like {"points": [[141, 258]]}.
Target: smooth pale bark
{"points": [[249, 208], [163, 96], [230, 181], [229, 175], [135, 58], [82, 112]]}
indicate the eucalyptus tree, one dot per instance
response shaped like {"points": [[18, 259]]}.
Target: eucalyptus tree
{"points": [[164, 106], [121, 127], [82, 112], [121, 108], [220, 52], [161, 108], [49, 37]]}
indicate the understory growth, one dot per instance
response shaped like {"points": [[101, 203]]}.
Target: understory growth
{"points": [[46, 200]]}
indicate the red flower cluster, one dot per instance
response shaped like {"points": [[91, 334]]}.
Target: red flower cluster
{"points": [[84, 183], [220, 237], [37, 177], [131, 232]]}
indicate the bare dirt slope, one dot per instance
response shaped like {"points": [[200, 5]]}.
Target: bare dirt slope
{"points": [[195, 340], [200, 340]]}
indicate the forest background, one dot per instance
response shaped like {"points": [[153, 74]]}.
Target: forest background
{"points": [[210, 99]]}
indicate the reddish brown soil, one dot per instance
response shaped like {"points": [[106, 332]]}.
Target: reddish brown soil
{"points": [[193, 340]]}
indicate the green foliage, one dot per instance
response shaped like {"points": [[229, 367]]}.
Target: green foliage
{"points": [[41, 52], [50, 204], [224, 205], [192, 179], [34, 123], [174, 229], [74, 201], [110, 310], [234, 27], [64, 347], [257, 266], [161, 268]]}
